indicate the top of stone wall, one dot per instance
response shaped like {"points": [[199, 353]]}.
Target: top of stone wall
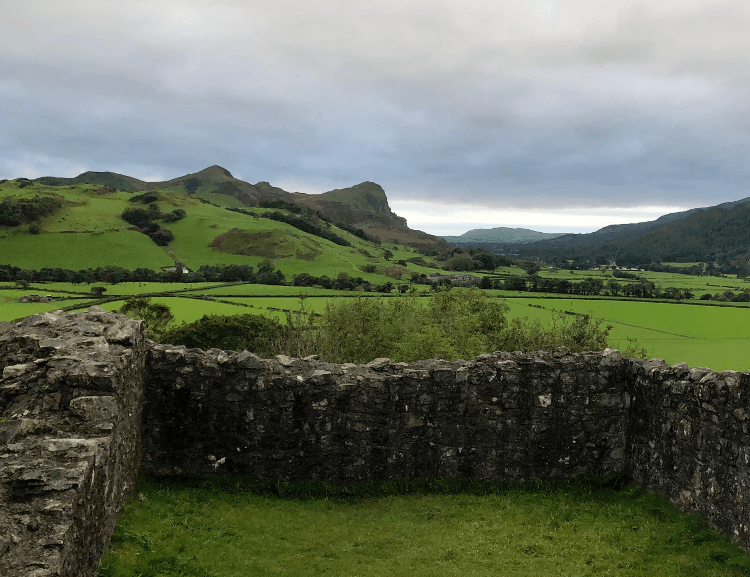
{"points": [[52, 351]]}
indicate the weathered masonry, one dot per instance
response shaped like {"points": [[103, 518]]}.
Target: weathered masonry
{"points": [[86, 400]]}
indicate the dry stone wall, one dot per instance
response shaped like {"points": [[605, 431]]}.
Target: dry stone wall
{"points": [[501, 417], [689, 441], [70, 404], [85, 400]]}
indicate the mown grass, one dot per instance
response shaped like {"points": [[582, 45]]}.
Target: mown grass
{"points": [[219, 527], [709, 336]]}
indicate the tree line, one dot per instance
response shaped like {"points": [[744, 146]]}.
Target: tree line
{"points": [[112, 274]]}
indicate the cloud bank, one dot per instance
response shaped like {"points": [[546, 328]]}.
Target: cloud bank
{"points": [[547, 106]]}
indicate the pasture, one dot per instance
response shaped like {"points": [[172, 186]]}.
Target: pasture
{"points": [[700, 335], [709, 334]]}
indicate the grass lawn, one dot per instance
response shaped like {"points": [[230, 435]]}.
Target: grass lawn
{"points": [[453, 528]]}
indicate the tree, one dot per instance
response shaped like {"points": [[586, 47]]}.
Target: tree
{"points": [[157, 316], [98, 290], [387, 254]]}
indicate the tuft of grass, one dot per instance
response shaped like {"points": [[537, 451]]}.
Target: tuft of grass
{"points": [[221, 526]]}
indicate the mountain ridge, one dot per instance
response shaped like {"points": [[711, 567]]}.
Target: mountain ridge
{"points": [[363, 205]]}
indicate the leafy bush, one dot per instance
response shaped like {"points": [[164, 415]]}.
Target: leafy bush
{"points": [[145, 198], [450, 325], [307, 224], [174, 216], [16, 211], [156, 316], [162, 237], [139, 217], [235, 333]]}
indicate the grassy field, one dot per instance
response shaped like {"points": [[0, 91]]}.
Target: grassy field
{"points": [[713, 335], [476, 529]]}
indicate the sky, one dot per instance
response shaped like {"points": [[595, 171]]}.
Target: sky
{"points": [[555, 115]]}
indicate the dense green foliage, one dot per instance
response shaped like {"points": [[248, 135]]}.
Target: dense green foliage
{"points": [[16, 211], [450, 325], [145, 219], [228, 526], [156, 315], [358, 232], [232, 333], [115, 274], [308, 224]]}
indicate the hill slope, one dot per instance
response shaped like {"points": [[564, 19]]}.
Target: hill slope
{"points": [[500, 234], [364, 205], [617, 232], [86, 230]]}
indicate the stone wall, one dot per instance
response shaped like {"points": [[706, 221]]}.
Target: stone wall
{"points": [[689, 441], [70, 403], [501, 417], [80, 391]]}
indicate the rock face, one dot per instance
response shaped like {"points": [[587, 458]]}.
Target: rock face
{"points": [[85, 400], [70, 401]]}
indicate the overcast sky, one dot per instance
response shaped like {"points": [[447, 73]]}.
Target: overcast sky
{"points": [[554, 115]]}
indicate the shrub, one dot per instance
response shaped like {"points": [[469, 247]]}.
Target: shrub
{"points": [[156, 316], [451, 325], [139, 217], [235, 333]]}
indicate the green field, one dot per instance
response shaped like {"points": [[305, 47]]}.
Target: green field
{"points": [[713, 335], [466, 529], [710, 336]]}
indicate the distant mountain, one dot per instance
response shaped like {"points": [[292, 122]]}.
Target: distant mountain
{"points": [[718, 234], [616, 232], [364, 205], [500, 234]]}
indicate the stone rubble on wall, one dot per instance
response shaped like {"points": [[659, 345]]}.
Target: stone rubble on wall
{"points": [[70, 401], [689, 441]]}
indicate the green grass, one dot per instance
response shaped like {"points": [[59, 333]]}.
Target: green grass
{"points": [[415, 528], [700, 334], [125, 248], [715, 337]]}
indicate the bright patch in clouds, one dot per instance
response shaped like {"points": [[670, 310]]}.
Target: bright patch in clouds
{"points": [[452, 219]]}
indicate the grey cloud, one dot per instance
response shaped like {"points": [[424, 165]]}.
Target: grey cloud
{"points": [[592, 104]]}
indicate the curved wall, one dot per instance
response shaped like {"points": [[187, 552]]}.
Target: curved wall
{"points": [[85, 400]]}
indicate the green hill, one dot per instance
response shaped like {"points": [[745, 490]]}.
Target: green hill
{"points": [[362, 206], [88, 231], [499, 234]]}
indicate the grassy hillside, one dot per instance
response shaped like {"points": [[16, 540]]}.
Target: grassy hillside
{"points": [[364, 205], [88, 232]]}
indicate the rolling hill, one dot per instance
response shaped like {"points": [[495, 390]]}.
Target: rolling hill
{"points": [[363, 206], [86, 230], [616, 232], [499, 234]]}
